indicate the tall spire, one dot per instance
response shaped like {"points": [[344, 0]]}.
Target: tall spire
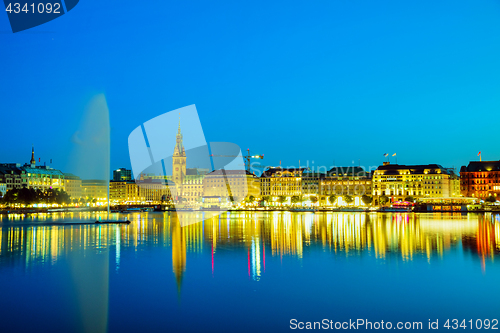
{"points": [[32, 155], [179, 147]]}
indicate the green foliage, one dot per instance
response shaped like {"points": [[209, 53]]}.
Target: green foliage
{"points": [[314, 199], [251, 199], [295, 199], [366, 199], [281, 199], [348, 199], [384, 199], [409, 198], [265, 198], [490, 199], [332, 199], [25, 196]]}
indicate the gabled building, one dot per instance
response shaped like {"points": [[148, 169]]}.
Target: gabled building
{"points": [[480, 179]]}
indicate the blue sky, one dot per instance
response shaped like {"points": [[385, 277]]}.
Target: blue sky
{"points": [[323, 81]]}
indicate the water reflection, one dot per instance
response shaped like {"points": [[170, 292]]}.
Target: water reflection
{"points": [[37, 240]]}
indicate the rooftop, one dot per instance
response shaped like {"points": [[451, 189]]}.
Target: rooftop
{"points": [[481, 166]]}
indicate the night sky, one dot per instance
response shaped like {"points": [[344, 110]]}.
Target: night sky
{"points": [[324, 81]]}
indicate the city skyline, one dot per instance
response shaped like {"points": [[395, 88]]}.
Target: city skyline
{"points": [[372, 79]]}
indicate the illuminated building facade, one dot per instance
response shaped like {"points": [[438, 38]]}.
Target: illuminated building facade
{"points": [[192, 187], [237, 184], [44, 177], [480, 179], [124, 192], [13, 176], [278, 181], [155, 191], [310, 182], [429, 181], [354, 181], [95, 189], [31, 176], [73, 185]]}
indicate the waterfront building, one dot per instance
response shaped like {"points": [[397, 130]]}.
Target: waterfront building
{"points": [[418, 181], [36, 177], [154, 191], [230, 184], [310, 182], [73, 185], [13, 176], [44, 178], [339, 181], [124, 192], [95, 189], [278, 181], [192, 186], [480, 179], [122, 174]]}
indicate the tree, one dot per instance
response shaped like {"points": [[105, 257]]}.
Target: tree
{"points": [[384, 199], [314, 199], [348, 199], [366, 199], [409, 198], [10, 197], [490, 199], [295, 199], [281, 199], [332, 199], [251, 199]]}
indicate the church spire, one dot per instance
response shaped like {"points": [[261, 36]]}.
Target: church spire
{"points": [[32, 162]]}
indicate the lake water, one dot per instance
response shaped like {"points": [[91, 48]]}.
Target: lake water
{"points": [[246, 271]]}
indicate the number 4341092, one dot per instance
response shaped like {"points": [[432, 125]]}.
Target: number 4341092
{"points": [[40, 8], [478, 324]]}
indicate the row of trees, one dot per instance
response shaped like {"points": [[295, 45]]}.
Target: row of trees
{"points": [[332, 199], [29, 196]]}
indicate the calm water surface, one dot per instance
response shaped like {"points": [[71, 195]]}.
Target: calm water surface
{"points": [[244, 271]]}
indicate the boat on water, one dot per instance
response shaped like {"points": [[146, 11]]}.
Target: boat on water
{"points": [[113, 222]]}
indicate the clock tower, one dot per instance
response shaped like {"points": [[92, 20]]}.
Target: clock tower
{"points": [[178, 162]]}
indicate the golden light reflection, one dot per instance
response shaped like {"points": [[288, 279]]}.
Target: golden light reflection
{"points": [[42, 239]]}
